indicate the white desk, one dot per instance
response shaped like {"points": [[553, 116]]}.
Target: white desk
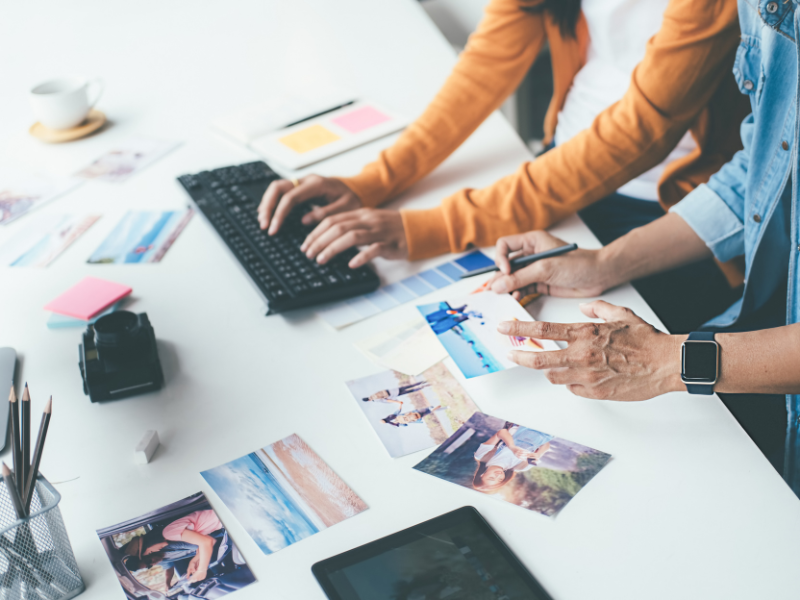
{"points": [[688, 508]]}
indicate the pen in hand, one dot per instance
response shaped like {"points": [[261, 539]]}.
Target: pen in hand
{"points": [[523, 261]]}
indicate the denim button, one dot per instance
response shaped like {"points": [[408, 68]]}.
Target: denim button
{"points": [[785, 145], [772, 8], [757, 218], [748, 85]]}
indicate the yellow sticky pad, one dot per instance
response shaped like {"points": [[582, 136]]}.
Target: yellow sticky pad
{"points": [[308, 139]]}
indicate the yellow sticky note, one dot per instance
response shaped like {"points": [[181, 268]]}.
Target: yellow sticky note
{"points": [[308, 139]]}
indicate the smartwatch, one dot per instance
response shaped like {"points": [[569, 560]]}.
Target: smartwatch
{"points": [[700, 363]]}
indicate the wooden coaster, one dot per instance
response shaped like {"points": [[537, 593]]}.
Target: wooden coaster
{"points": [[94, 121]]}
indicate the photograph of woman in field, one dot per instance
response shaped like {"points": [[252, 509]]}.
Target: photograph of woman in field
{"points": [[519, 465]]}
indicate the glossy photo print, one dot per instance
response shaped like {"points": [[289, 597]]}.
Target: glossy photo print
{"points": [[132, 155], [514, 463], [412, 413], [467, 328], [142, 237], [283, 493], [179, 551]]}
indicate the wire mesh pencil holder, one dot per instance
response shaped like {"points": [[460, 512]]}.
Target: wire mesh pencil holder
{"points": [[36, 559]]}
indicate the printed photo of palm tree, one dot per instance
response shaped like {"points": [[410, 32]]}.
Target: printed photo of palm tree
{"points": [[283, 493]]}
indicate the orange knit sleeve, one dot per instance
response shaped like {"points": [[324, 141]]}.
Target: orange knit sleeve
{"points": [[496, 59], [684, 65]]}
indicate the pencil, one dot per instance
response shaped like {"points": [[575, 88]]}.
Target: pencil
{"points": [[12, 491], [522, 261], [15, 447], [30, 483], [25, 441]]}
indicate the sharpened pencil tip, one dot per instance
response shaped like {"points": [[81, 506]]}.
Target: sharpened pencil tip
{"points": [[26, 396], [12, 395], [48, 408], [6, 470]]}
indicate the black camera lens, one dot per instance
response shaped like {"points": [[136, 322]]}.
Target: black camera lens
{"points": [[116, 328]]}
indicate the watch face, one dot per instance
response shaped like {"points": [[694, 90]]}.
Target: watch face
{"points": [[699, 361]]}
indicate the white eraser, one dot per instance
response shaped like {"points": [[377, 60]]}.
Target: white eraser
{"points": [[146, 447]]}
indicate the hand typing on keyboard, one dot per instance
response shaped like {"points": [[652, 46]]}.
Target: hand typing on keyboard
{"points": [[282, 196], [380, 230], [228, 198]]}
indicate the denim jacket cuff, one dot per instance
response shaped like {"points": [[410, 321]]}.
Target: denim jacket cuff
{"points": [[713, 221]]}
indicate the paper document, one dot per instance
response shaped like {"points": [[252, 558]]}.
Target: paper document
{"points": [[126, 158], [409, 348]]}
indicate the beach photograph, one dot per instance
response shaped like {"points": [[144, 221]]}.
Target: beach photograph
{"points": [[534, 470], [283, 493], [142, 237], [45, 239], [412, 413], [467, 328]]}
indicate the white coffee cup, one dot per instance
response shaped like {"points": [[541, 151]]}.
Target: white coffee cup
{"points": [[64, 103]]}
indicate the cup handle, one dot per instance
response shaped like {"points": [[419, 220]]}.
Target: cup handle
{"points": [[99, 85]]}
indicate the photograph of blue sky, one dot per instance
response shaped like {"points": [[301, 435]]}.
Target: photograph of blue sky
{"points": [[264, 508]]}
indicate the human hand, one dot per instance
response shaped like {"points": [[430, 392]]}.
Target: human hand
{"points": [[578, 274], [381, 231], [282, 196], [199, 575], [624, 358], [192, 566]]}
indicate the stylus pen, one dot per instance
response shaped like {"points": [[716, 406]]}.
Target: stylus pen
{"points": [[522, 261], [319, 114]]}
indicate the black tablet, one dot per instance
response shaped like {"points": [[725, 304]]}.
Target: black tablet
{"points": [[456, 556]]}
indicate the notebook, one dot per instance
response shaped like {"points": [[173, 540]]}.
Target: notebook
{"points": [[268, 129], [87, 298]]}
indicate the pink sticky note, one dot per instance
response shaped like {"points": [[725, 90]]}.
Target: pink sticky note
{"points": [[360, 119], [87, 298]]}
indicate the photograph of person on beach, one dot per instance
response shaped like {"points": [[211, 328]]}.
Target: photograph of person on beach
{"points": [[467, 328], [412, 413]]}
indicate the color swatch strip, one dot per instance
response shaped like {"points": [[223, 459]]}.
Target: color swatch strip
{"points": [[347, 312]]}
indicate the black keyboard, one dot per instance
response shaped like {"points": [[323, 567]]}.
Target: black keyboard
{"points": [[285, 278]]}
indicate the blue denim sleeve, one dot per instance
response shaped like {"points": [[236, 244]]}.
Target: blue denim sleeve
{"points": [[716, 210]]}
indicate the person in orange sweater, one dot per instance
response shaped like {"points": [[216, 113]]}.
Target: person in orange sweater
{"points": [[676, 124]]}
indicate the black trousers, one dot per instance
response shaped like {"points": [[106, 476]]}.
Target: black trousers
{"points": [[684, 299]]}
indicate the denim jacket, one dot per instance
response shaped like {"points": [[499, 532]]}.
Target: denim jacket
{"points": [[750, 206]]}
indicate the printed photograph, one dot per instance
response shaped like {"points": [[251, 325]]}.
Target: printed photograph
{"points": [[516, 464], [120, 163], [42, 242], [283, 493], [412, 413], [180, 551], [142, 237], [18, 198], [467, 328]]}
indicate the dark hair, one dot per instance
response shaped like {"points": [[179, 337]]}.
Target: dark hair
{"points": [[564, 13], [477, 479]]}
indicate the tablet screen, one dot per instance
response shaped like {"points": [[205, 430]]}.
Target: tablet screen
{"points": [[454, 559]]}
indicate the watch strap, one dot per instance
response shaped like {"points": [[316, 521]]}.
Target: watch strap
{"points": [[705, 390]]}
